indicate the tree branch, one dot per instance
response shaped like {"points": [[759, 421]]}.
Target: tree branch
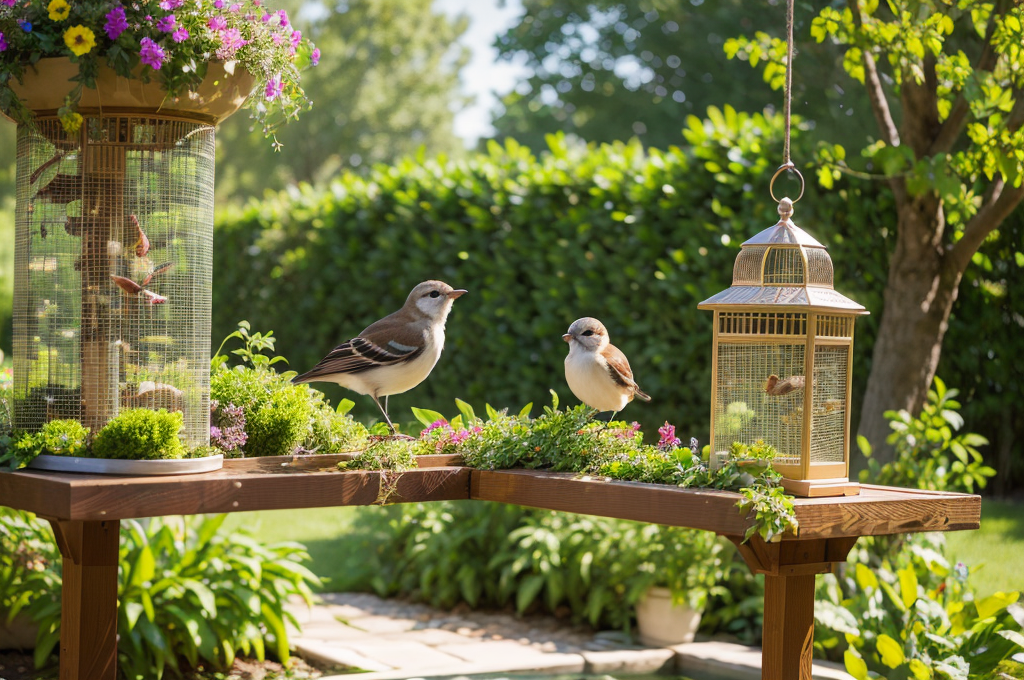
{"points": [[876, 93], [999, 203], [957, 119]]}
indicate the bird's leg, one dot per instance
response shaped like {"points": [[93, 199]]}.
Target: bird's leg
{"points": [[391, 425], [610, 419]]}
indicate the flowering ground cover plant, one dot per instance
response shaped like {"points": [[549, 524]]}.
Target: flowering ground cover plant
{"points": [[172, 41]]}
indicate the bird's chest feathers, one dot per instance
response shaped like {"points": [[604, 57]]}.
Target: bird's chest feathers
{"points": [[589, 379]]}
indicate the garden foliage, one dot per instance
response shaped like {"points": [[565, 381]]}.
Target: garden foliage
{"points": [[495, 555], [634, 236], [188, 592]]}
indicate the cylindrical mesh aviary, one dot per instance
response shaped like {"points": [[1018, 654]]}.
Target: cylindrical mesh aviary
{"points": [[114, 233]]}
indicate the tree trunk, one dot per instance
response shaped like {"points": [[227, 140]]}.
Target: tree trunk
{"points": [[919, 295]]}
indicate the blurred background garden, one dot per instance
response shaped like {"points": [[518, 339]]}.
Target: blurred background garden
{"points": [[559, 159]]}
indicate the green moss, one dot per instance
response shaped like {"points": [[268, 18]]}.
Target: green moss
{"points": [[141, 434]]}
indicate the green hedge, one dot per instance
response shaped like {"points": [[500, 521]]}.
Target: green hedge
{"points": [[634, 237]]}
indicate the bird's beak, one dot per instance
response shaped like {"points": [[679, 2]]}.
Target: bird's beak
{"points": [[457, 293], [567, 337]]}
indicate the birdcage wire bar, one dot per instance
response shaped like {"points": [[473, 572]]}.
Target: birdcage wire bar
{"points": [[828, 412], [113, 258]]}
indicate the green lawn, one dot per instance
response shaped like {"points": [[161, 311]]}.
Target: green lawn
{"points": [[996, 550], [324, 532]]}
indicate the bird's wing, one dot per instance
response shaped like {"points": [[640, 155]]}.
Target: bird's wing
{"points": [[621, 373], [384, 343]]}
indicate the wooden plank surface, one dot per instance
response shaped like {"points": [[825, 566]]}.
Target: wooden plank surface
{"points": [[876, 511], [94, 497], [269, 484]]}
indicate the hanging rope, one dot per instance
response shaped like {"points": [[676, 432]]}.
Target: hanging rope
{"points": [[789, 78], [787, 163]]}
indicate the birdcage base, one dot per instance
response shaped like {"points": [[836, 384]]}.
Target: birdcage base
{"points": [[820, 488], [135, 468]]}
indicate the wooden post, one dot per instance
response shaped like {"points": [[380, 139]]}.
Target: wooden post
{"points": [[88, 628], [788, 638], [789, 568]]}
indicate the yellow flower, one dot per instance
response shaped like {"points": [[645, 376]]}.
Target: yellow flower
{"points": [[72, 122], [59, 10], [79, 39]]}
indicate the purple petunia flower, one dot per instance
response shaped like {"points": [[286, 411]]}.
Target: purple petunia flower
{"points": [[314, 58], [151, 54], [180, 35], [217, 23], [116, 23], [166, 24]]}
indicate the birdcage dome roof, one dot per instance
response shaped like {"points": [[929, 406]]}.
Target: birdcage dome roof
{"points": [[783, 266]]}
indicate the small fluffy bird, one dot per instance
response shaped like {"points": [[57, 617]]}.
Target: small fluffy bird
{"points": [[394, 354], [597, 371]]}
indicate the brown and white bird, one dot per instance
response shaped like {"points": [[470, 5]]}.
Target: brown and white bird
{"points": [[597, 371], [395, 354]]}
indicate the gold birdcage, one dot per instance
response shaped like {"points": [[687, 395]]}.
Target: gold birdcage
{"points": [[782, 358]]}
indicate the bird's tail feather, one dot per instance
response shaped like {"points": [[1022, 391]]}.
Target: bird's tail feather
{"points": [[641, 395]]}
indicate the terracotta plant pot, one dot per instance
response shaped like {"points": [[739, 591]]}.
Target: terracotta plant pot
{"points": [[662, 623], [49, 81]]}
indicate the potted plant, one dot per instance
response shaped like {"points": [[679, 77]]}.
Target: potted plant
{"points": [[116, 105], [672, 572]]}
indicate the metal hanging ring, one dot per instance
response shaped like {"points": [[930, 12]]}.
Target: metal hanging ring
{"points": [[782, 168]]}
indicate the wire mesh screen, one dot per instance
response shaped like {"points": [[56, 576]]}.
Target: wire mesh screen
{"points": [[828, 404], [819, 267], [784, 266], [760, 395], [113, 255], [747, 269]]}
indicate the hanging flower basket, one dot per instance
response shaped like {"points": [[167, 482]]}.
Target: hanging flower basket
{"points": [[219, 95]]}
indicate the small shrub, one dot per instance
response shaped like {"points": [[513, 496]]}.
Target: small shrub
{"points": [[141, 434], [57, 437], [29, 572], [280, 418]]}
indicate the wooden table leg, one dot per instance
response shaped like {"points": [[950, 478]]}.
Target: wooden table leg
{"points": [[789, 568], [88, 620], [788, 637]]}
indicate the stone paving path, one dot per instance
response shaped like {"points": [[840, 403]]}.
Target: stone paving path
{"points": [[393, 640]]}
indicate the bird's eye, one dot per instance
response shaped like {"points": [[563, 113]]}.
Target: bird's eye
{"points": [[588, 333], [434, 294]]}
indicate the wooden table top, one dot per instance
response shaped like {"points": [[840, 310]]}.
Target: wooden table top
{"points": [[276, 483]]}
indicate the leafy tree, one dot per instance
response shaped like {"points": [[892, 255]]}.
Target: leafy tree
{"points": [[386, 85], [944, 79], [607, 70]]}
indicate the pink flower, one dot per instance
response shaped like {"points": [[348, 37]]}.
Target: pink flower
{"points": [[669, 440], [171, 4], [116, 23], [166, 24], [282, 17], [180, 35], [3, 43], [9, 3], [218, 4], [266, 17], [314, 58], [151, 54], [230, 41], [234, 8], [437, 424], [296, 38], [217, 23]]}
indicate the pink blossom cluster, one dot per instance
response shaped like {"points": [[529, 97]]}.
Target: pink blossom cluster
{"points": [[444, 435]]}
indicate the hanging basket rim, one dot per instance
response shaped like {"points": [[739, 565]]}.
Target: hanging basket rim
{"points": [[219, 95]]}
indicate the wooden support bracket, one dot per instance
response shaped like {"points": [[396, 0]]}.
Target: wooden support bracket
{"points": [[88, 630]]}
